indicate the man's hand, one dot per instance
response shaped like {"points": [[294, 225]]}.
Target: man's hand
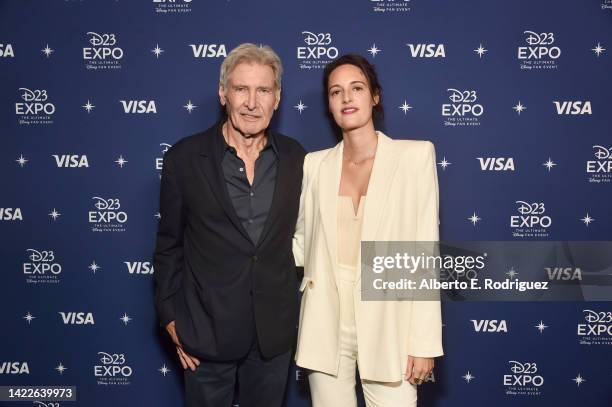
{"points": [[186, 359], [418, 369]]}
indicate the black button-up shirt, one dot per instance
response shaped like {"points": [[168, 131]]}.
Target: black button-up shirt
{"points": [[251, 202]]}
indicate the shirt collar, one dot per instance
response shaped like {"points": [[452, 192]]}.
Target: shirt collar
{"points": [[270, 141]]}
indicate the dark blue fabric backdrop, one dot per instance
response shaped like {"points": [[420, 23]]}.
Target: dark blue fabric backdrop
{"points": [[87, 108]]}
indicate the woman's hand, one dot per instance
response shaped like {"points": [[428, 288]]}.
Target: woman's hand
{"points": [[418, 369]]}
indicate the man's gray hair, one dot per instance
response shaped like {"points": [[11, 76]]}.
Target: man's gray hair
{"points": [[250, 53]]}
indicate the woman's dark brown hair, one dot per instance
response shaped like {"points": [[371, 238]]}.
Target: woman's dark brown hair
{"points": [[368, 71]]}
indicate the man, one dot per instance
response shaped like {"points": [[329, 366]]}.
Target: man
{"points": [[225, 275]]}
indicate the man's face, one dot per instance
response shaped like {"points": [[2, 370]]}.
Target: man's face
{"points": [[250, 98]]}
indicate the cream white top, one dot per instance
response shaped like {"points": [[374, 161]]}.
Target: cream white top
{"points": [[349, 230]]}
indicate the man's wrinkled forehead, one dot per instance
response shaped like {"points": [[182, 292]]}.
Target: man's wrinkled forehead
{"points": [[250, 73]]}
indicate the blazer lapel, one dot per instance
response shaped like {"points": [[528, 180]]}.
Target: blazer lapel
{"points": [[209, 163], [383, 171], [329, 186]]}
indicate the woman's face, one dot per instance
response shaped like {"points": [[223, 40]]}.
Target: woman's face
{"points": [[350, 99]]}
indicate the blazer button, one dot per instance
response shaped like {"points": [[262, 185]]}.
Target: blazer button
{"points": [[311, 284], [255, 258]]}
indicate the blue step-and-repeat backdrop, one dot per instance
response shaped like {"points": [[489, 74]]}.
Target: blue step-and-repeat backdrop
{"points": [[514, 95]]}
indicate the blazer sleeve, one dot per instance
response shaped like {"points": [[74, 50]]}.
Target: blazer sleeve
{"points": [[168, 258], [425, 338], [298, 236]]}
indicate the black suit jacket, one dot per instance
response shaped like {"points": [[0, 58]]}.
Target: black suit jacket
{"points": [[210, 277]]}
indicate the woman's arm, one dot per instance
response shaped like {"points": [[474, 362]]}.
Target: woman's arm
{"points": [[425, 338], [298, 236]]}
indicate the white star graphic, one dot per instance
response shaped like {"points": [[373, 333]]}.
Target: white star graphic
{"points": [[47, 51], [157, 50], [587, 219], [444, 163], [480, 50], [541, 327], [598, 50], [158, 215], [405, 107], [468, 377], [29, 317], [164, 370], [474, 218], [125, 318], [549, 164], [60, 368], [300, 107], [121, 161], [94, 267], [21, 160], [88, 106], [512, 273], [55, 214], [579, 380], [519, 107], [189, 106], [373, 50]]}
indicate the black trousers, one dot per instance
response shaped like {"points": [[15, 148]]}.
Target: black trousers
{"points": [[261, 381]]}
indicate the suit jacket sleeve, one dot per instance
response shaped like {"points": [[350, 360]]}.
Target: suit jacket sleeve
{"points": [[425, 338], [298, 236], [168, 258]]}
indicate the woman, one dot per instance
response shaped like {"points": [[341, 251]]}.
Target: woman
{"points": [[345, 192]]}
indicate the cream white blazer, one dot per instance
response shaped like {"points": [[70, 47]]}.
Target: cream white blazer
{"points": [[401, 205]]}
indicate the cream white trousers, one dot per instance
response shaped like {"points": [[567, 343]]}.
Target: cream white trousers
{"points": [[339, 391]]}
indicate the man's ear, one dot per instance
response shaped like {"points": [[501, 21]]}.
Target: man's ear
{"points": [[278, 97], [222, 95]]}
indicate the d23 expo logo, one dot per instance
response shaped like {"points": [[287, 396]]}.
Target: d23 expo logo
{"points": [[599, 170], [112, 369], [172, 6], [41, 267], [34, 107], [524, 379], [531, 221], [390, 6], [317, 52], [107, 216], [159, 161], [103, 52], [463, 109], [596, 328], [540, 52]]}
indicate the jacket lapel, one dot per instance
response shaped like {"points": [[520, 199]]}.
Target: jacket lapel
{"points": [[329, 185], [383, 172], [209, 163]]}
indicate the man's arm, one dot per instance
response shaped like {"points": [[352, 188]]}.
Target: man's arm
{"points": [[168, 258]]}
